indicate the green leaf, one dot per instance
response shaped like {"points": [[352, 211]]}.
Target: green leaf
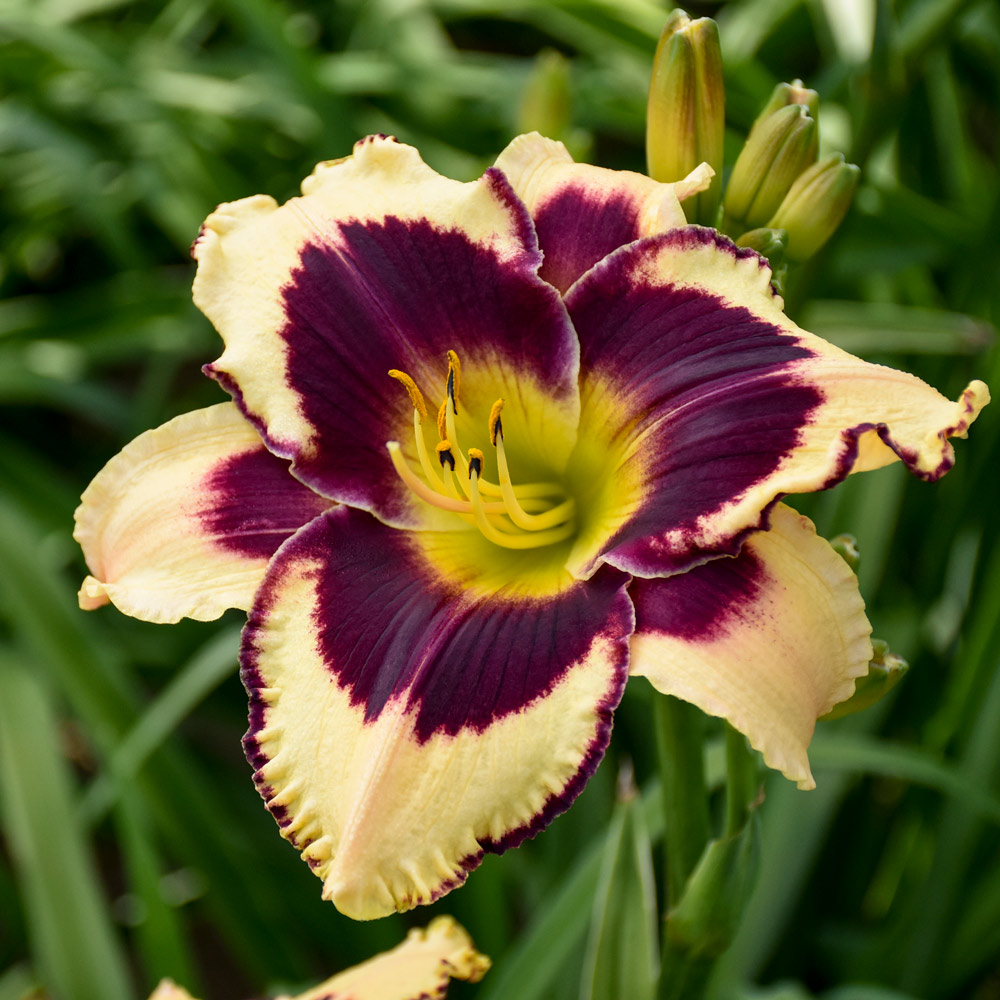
{"points": [[79, 956], [868, 328], [202, 674], [856, 753]]}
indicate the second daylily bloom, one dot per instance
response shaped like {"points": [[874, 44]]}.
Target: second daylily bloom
{"points": [[419, 968], [537, 436]]}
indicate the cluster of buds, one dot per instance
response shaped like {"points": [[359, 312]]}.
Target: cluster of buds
{"points": [[781, 199]]}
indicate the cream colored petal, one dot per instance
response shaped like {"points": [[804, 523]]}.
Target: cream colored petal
{"points": [[770, 640], [418, 969], [404, 721], [182, 522], [169, 990]]}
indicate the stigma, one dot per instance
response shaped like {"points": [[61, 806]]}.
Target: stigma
{"points": [[514, 516]]}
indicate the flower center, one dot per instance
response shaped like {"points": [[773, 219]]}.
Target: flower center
{"points": [[525, 516]]}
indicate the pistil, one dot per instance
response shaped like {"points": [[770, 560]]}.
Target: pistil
{"points": [[530, 522], [525, 540]]}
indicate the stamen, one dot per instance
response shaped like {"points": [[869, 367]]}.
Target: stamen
{"points": [[416, 396], [444, 454], [495, 420], [454, 377], [425, 463], [452, 433], [442, 423], [531, 540]]}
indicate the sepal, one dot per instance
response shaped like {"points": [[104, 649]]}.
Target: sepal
{"points": [[707, 916]]}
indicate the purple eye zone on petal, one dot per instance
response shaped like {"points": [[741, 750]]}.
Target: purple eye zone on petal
{"points": [[388, 625], [252, 503], [575, 230], [703, 604], [400, 294]]}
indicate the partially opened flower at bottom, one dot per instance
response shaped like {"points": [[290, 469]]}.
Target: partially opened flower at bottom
{"points": [[492, 447], [418, 969]]}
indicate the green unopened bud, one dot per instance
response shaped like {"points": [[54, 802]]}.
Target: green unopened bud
{"points": [[780, 146], [786, 94], [846, 546], [685, 118], [545, 105], [885, 671], [815, 205], [705, 919], [769, 243]]}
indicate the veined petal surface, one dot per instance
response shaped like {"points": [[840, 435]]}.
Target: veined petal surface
{"points": [[409, 713], [384, 264], [707, 403], [181, 522], [770, 640], [582, 212]]}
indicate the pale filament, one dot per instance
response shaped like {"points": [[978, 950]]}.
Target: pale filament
{"points": [[425, 462], [522, 491], [423, 491]]}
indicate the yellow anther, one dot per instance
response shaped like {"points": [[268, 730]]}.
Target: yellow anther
{"points": [[443, 421], [445, 454], [495, 421], [416, 396], [454, 377], [475, 462]]}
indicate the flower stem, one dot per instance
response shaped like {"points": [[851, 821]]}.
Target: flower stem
{"points": [[741, 783], [680, 752]]}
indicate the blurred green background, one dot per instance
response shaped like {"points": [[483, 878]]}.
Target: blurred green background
{"points": [[133, 842]]}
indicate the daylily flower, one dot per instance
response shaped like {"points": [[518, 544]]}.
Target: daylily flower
{"points": [[538, 430], [420, 967]]}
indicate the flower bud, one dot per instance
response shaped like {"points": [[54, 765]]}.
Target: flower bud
{"points": [[769, 243], [685, 118], [885, 671], [706, 917], [846, 546], [545, 105], [780, 146], [815, 205], [791, 93]]}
